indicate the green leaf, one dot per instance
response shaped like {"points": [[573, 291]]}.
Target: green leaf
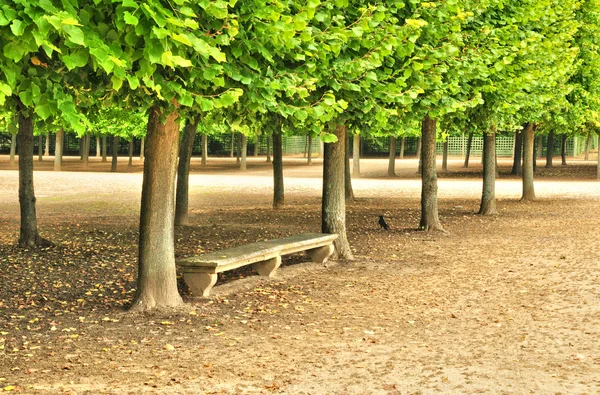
{"points": [[205, 104], [130, 19], [44, 111], [17, 27], [182, 38], [329, 138], [117, 83]]}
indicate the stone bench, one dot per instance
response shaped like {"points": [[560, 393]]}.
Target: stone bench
{"points": [[200, 272]]}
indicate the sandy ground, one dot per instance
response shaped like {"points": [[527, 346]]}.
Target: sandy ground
{"points": [[503, 304]]}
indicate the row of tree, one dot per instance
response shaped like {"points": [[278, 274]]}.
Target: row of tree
{"points": [[327, 67]]}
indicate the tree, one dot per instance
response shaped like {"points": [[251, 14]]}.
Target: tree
{"points": [[183, 171]]}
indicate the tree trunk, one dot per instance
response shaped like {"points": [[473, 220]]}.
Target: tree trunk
{"points": [[256, 145], [86, 149], [550, 149], [28, 234], [183, 171], [142, 148], [204, 149], [333, 210], [244, 151], [58, 149], [517, 168], [445, 156], [40, 148], [268, 149], [104, 148], [309, 160], [356, 156], [13, 149], [468, 154], [157, 281], [98, 147], [232, 144], [534, 153], [278, 191], [238, 151], [419, 155], [540, 145], [528, 141], [130, 162], [115, 154], [588, 146], [392, 158], [81, 144], [429, 204], [349, 192], [563, 150], [402, 144], [488, 196], [47, 147]]}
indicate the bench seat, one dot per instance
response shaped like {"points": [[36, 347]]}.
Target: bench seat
{"points": [[200, 272]]}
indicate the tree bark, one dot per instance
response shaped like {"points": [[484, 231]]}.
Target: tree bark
{"points": [[550, 149], [528, 142], [86, 149], [244, 151], [429, 203], [563, 150], [115, 154], [356, 156], [232, 144], [540, 144], [47, 147], [183, 171], [58, 149], [256, 145], [98, 147], [517, 168], [130, 162], [278, 191], [588, 146], [28, 234], [349, 192], [204, 149], [402, 144], [40, 148], [333, 209], [445, 156], [142, 148], [488, 196], [104, 148], [419, 155], [309, 160], [468, 154], [534, 153], [268, 149], [157, 281], [392, 158], [13, 149]]}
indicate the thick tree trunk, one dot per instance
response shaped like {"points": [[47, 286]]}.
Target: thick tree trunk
{"points": [[402, 145], [28, 235], [130, 162], [115, 154], [98, 147], [488, 196], [429, 204], [550, 149], [333, 210], [47, 147], [563, 150], [517, 168], [392, 158], [356, 156], [244, 151], [588, 146], [104, 148], [268, 149], [535, 155], [278, 191], [204, 149], [232, 144], [86, 149], [309, 160], [40, 148], [528, 141], [58, 149], [183, 171], [142, 148], [468, 154], [349, 192], [13, 149], [445, 156], [157, 281]]}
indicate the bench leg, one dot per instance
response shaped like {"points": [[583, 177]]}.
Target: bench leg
{"points": [[268, 267], [321, 254], [200, 283]]}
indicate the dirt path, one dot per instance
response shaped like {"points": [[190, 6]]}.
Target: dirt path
{"points": [[506, 304]]}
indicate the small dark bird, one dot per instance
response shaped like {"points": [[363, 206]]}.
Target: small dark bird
{"points": [[383, 224]]}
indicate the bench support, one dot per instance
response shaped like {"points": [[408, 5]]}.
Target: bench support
{"points": [[321, 254], [267, 268], [200, 283]]}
